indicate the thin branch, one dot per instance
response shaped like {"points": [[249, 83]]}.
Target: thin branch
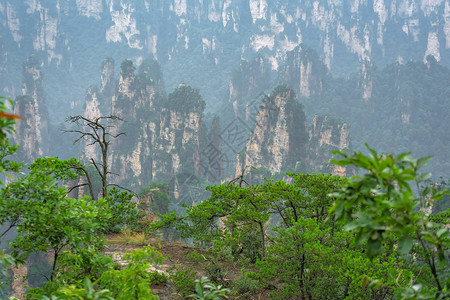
{"points": [[13, 224], [121, 187], [76, 186], [88, 178], [95, 165], [112, 173], [116, 135]]}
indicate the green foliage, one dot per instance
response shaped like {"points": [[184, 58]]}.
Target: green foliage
{"points": [[6, 261], [244, 286], [307, 254], [45, 218], [60, 169], [72, 292], [6, 124], [124, 211], [381, 204], [196, 257], [7, 127], [186, 98], [158, 196], [133, 281], [157, 278], [84, 262], [183, 279], [204, 289], [327, 262]]}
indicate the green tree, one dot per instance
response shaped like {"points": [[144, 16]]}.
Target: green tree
{"points": [[45, 219]]}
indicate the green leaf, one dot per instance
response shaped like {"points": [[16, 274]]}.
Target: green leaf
{"points": [[405, 244], [424, 176], [441, 231], [373, 247], [423, 161], [351, 226]]}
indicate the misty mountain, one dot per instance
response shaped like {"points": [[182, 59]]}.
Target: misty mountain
{"points": [[200, 43]]}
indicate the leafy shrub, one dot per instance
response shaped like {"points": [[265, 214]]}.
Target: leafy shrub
{"points": [[215, 270], [204, 289], [157, 278], [124, 211], [133, 281], [196, 257], [183, 280], [159, 199], [245, 286]]}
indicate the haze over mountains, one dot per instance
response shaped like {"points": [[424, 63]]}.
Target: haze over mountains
{"points": [[332, 53]]}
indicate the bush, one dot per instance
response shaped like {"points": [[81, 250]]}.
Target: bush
{"points": [[157, 278], [183, 280], [244, 286], [124, 211]]}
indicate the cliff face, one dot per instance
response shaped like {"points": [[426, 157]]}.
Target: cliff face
{"points": [[305, 71], [279, 139], [162, 134], [327, 134], [282, 141], [32, 131], [138, 102], [178, 146]]}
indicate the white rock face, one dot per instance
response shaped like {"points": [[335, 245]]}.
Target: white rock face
{"points": [[277, 149], [13, 23], [208, 46], [355, 43], [124, 24], [33, 5], [433, 46], [447, 24], [305, 74], [92, 111], [328, 49], [430, 6], [258, 9], [406, 8], [227, 14], [51, 30], [179, 7], [90, 8], [275, 26], [413, 26], [261, 41], [320, 17], [214, 14], [46, 34], [380, 9]]}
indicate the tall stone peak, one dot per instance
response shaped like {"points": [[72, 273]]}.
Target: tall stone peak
{"points": [[304, 70], [32, 132], [279, 137]]}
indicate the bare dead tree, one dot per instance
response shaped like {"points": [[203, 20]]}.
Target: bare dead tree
{"points": [[97, 131]]}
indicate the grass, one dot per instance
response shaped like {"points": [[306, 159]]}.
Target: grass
{"points": [[130, 238]]}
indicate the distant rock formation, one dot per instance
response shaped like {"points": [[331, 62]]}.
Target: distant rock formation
{"points": [[281, 140], [32, 132], [304, 71]]}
